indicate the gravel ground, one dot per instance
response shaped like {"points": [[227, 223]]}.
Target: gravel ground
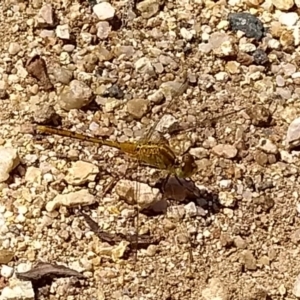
{"points": [[111, 69]]}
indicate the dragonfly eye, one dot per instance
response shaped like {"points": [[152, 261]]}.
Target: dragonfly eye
{"points": [[187, 166]]}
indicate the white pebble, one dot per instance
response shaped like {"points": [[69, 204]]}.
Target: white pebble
{"points": [[2, 209], [8, 214], [20, 218], [288, 19], [191, 209], [22, 209], [206, 233], [14, 48], [6, 271], [48, 177], [104, 11], [63, 32], [225, 183], [186, 34]]}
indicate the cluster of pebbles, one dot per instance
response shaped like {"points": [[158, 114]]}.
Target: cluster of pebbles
{"points": [[229, 70]]}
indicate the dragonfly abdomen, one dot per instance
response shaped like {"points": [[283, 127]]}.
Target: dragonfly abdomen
{"points": [[159, 156]]}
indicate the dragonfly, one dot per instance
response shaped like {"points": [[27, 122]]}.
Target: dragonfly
{"points": [[156, 154]]}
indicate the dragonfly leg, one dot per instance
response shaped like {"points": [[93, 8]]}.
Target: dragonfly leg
{"points": [[108, 188], [165, 181], [114, 179]]}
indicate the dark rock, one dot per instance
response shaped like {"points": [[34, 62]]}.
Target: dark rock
{"points": [[260, 57], [247, 23], [114, 92]]}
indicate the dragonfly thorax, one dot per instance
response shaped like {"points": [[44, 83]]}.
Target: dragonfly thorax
{"points": [[162, 157]]}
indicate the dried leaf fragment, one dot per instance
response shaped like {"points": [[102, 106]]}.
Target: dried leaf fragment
{"points": [[143, 241], [42, 270], [36, 67]]}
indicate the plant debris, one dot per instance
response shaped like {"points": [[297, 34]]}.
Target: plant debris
{"points": [[36, 67], [44, 270], [142, 241]]}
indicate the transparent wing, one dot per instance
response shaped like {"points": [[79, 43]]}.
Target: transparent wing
{"points": [[180, 91]]}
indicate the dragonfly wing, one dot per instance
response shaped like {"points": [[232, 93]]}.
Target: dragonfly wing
{"points": [[177, 92]]}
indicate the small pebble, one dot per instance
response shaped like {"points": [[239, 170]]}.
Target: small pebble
{"points": [[125, 51], [36, 66], [103, 30], [90, 62], [75, 96], [282, 290], [247, 47], [45, 114], [73, 199], [45, 15], [104, 11], [239, 242], [62, 75], [289, 69], [286, 156], [14, 48], [226, 199], [222, 45], [248, 260], [148, 8], [263, 261], [280, 81], [296, 288], [9, 160], [115, 91], [186, 34], [283, 4], [288, 19], [171, 89], [81, 172], [6, 256], [287, 39], [293, 134], [167, 124], [260, 57], [225, 150], [261, 157], [148, 196], [191, 209], [137, 108], [151, 250], [144, 66], [267, 146], [225, 183], [6, 271], [68, 48], [295, 237], [17, 290], [63, 32], [215, 289]]}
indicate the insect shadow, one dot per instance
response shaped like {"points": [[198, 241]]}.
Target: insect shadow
{"points": [[180, 190]]}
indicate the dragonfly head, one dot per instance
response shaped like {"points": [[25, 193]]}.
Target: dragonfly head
{"points": [[186, 167]]}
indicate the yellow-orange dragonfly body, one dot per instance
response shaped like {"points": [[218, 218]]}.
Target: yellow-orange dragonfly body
{"points": [[158, 155]]}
